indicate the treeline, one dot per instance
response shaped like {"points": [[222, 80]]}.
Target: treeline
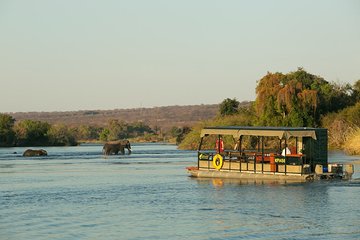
{"points": [[165, 117], [295, 99], [39, 133]]}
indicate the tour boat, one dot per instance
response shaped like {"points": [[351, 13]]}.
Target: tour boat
{"points": [[266, 153]]}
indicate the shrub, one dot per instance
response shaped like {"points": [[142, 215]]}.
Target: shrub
{"points": [[61, 135], [29, 132], [352, 145], [191, 140], [342, 125]]}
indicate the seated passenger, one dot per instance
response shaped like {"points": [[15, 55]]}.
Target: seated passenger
{"points": [[236, 147], [285, 151]]}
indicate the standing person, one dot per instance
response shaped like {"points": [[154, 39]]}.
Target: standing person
{"points": [[219, 145]]}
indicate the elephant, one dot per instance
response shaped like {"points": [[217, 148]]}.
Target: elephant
{"points": [[116, 146], [32, 153]]}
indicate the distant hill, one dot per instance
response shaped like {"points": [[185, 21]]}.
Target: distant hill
{"points": [[163, 117]]}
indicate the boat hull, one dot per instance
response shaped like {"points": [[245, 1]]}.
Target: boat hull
{"points": [[248, 175]]}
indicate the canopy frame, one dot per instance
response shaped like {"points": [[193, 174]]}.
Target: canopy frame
{"points": [[281, 132]]}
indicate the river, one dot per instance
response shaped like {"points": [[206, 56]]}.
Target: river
{"points": [[76, 193]]}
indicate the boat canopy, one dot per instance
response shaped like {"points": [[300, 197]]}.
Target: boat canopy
{"points": [[280, 132]]}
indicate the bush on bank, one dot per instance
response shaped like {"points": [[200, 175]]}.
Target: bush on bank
{"points": [[352, 145]]}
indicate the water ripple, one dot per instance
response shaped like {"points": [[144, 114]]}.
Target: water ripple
{"points": [[76, 193]]}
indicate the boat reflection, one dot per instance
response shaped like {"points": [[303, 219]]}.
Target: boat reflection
{"points": [[221, 182]]}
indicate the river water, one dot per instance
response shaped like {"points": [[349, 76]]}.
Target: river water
{"points": [[75, 193]]}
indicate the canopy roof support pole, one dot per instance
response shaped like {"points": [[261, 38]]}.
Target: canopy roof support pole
{"points": [[199, 148], [262, 154], [200, 144], [285, 154], [241, 151]]}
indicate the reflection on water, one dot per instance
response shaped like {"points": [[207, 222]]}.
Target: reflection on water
{"points": [[219, 182], [76, 193]]}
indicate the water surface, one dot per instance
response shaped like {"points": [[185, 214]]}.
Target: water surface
{"points": [[76, 193]]}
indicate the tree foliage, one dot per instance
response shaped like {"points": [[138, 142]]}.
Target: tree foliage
{"points": [[179, 133], [295, 99], [37, 133], [61, 135], [229, 107], [245, 117], [342, 124], [31, 133], [119, 130], [7, 134], [298, 99], [86, 133]]}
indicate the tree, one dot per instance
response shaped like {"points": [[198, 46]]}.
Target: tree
{"points": [[61, 135], [229, 107], [7, 134], [298, 99], [84, 132], [138, 129], [179, 133], [115, 130], [356, 90], [104, 135], [29, 132]]}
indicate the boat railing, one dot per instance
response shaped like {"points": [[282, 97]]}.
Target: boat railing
{"points": [[257, 162]]}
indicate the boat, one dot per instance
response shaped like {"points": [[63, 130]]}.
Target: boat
{"points": [[266, 153]]}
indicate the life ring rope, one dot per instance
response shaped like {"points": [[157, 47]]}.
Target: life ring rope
{"points": [[218, 161]]}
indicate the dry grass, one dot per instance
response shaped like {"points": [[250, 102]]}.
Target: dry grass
{"points": [[352, 144]]}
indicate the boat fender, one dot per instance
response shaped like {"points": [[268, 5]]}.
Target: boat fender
{"points": [[218, 161]]}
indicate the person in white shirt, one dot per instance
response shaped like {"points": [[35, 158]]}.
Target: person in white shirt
{"points": [[285, 151]]}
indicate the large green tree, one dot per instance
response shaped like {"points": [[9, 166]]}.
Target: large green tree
{"points": [[229, 107], [298, 99]]}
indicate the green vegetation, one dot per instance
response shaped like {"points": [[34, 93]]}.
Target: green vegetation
{"points": [[120, 130], [31, 133], [229, 107], [353, 143], [343, 126], [299, 99], [38, 133], [245, 117], [7, 134], [179, 133], [60, 135], [295, 99]]}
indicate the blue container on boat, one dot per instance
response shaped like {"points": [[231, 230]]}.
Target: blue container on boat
{"points": [[325, 169]]}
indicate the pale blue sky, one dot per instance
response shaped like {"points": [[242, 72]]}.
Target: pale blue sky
{"points": [[76, 55]]}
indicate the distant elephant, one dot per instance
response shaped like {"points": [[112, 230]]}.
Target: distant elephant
{"points": [[32, 153], [116, 147]]}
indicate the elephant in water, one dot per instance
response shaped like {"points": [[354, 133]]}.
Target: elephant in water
{"points": [[116, 147], [32, 153]]}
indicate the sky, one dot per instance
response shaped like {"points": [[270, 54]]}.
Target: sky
{"points": [[100, 55]]}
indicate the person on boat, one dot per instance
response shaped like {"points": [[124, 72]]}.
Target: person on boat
{"points": [[236, 147], [219, 145], [286, 151]]}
